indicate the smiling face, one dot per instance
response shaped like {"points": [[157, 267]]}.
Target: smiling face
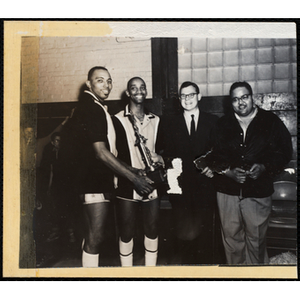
{"points": [[100, 84], [189, 98], [242, 101], [137, 90]]}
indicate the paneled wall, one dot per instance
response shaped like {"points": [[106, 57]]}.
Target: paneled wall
{"points": [[64, 62], [269, 65]]}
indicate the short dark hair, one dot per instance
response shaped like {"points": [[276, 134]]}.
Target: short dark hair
{"points": [[189, 83], [54, 135], [240, 84], [133, 78], [92, 70]]}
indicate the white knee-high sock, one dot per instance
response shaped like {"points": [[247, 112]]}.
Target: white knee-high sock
{"points": [[126, 255], [151, 250], [90, 260]]}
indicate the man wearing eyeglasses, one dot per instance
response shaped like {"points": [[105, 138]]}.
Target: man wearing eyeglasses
{"points": [[187, 136], [254, 146]]}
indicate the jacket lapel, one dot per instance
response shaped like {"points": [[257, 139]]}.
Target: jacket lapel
{"points": [[202, 133], [183, 128]]}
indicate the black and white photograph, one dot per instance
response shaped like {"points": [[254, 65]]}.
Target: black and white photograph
{"points": [[147, 152]]}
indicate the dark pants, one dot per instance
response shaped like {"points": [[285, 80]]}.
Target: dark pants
{"points": [[63, 206], [193, 231]]}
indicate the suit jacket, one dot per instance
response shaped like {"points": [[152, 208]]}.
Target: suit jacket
{"points": [[178, 144]]}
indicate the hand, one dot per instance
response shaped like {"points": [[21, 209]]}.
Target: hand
{"points": [[139, 172], [142, 185], [157, 159], [256, 171], [208, 172], [237, 174]]}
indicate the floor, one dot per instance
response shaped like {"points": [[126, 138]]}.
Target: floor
{"points": [[62, 252]]}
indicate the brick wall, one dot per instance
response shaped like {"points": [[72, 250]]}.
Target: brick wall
{"points": [[65, 61], [269, 65], [29, 69]]}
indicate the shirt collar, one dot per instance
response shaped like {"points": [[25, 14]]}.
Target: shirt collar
{"points": [[195, 113], [247, 118], [89, 92], [147, 113], [94, 96], [96, 100]]}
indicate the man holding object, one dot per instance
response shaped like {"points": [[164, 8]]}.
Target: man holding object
{"points": [[187, 136], [137, 141], [95, 163], [252, 145]]}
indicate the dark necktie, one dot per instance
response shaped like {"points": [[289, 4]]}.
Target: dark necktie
{"points": [[193, 129]]}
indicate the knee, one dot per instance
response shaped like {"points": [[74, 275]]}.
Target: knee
{"points": [[94, 240], [92, 246], [151, 235], [126, 238], [151, 230], [127, 231]]}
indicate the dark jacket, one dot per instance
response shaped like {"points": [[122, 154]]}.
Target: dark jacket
{"points": [[267, 142], [178, 144]]}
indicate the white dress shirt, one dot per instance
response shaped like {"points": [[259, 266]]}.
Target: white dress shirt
{"points": [[188, 118]]}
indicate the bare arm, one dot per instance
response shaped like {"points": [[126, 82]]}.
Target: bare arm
{"points": [[142, 183]]}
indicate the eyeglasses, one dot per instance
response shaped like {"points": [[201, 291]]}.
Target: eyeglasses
{"points": [[187, 97], [244, 97]]}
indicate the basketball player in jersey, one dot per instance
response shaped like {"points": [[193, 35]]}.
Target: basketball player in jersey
{"points": [[97, 162], [135, 121]]}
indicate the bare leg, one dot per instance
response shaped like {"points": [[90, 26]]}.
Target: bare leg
{"points": [[150, 221], [95, 216], [126, 213], [150, 218]]}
